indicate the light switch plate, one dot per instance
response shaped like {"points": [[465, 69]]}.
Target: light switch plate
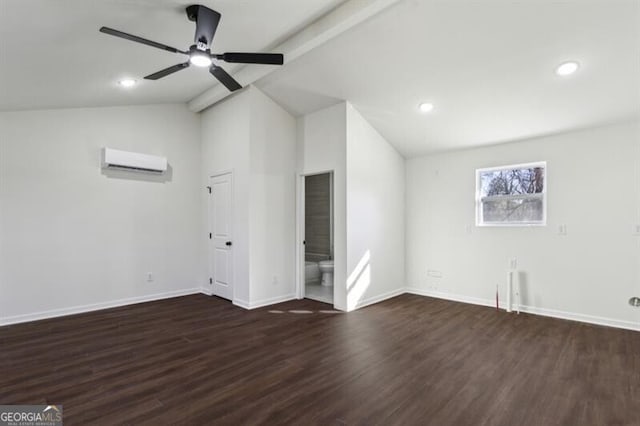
{"points": [[562, 229]]}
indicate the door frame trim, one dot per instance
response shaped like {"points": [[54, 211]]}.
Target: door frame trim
{"points": [[210, 266], [300, 226]]}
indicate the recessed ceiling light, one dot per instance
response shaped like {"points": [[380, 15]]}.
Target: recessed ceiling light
{"points": [[567, 68], [127, 82], [425, 107]]}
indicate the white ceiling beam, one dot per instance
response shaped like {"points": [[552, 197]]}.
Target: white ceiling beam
{"points": [[334, 23]]}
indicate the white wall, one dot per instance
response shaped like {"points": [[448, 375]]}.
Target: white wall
{"points": [[375, 215], [322, 146], [226, 147], [593, 188], [73, 238], [253, 136], [272, 211], [368, 202]]}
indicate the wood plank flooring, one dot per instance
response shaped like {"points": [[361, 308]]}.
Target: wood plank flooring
{"points": [[410, 360]]}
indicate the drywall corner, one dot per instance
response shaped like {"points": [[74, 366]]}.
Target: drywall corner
{"points": [[272, 200], [375, 175]]}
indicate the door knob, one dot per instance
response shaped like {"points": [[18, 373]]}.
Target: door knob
{"points": [[228, 243]]}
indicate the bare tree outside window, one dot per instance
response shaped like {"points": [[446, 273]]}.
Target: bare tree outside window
{"points": [[511, 195]]}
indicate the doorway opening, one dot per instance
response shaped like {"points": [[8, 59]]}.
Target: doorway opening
{"points": [[317, 206]]}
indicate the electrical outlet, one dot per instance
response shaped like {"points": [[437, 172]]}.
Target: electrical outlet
{"points": [[149, 276], [433, 273], [635, 230]]}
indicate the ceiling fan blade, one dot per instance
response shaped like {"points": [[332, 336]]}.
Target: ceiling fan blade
{"points": [[137, 39], [207, 21], [224, 78], [252, 58], [165, 72]]}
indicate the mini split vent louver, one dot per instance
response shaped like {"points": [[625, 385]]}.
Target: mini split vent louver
{"points": [[132, 161]]}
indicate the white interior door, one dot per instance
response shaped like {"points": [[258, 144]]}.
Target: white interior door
{"points": [[221, 243]]}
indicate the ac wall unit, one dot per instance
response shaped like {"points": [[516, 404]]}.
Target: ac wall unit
{"points": [[125, 160]]}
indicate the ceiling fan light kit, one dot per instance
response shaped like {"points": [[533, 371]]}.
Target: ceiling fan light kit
{"points": [[200, 55], [200, 58]]}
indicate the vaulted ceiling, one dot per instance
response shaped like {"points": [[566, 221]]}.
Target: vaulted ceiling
{"points": [[52, 55], [487, 66]]}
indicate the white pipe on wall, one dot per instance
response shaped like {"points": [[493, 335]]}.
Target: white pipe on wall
{"points": [[509, 289], [517, 286]]}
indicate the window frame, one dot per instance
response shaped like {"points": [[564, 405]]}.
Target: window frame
{"points": [[480, 199]]}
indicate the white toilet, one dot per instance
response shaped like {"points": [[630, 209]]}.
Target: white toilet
{"points": [[326, 268]]}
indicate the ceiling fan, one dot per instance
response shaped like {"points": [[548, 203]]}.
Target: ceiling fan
{"points": [[200, 53]]}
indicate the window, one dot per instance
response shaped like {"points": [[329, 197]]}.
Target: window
{"points": [[511, 195]]}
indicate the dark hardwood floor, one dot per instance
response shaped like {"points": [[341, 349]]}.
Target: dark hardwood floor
{"points": [[409, 360]]}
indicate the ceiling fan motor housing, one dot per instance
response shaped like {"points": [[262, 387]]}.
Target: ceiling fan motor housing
{"points": [[198, 49]]}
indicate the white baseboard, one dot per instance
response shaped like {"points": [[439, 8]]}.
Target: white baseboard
{"points": [[264, 302], [241, 303], [590, 319], [16, 319], [379, 298], [451, 296], [572, 316]]}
